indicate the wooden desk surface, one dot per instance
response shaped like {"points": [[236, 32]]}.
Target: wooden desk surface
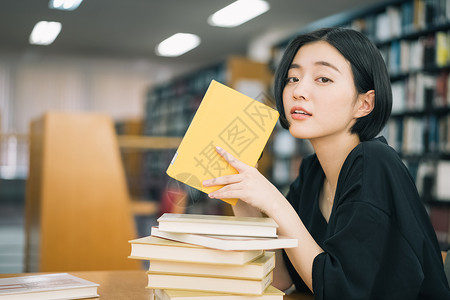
{"points": [[123, 285]]}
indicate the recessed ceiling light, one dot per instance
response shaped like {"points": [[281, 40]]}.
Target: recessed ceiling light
{"points": [[64, 4], [44, 33], [177, 44], [238, 13]]}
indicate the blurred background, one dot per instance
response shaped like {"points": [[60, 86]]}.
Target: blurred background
{"points": [[106, 60]]}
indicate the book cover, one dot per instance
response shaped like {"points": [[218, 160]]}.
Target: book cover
{"points": [[47, 286], [218, 225], [271, 293], [224, 242], [208, 284], [154, 248], [442, 49], [225, 118], [442, 180], [256, 269]]}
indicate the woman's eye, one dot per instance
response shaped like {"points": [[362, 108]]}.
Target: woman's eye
{"points": [[324, 80], [291, 79]]}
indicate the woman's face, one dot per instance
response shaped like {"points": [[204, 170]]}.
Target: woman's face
{"points": [[320, 98]]}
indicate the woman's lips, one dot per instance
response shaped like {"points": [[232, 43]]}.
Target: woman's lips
{"points": [[299, 113]]}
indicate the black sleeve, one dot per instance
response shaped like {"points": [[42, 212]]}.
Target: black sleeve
{"points": [[352, 257]]}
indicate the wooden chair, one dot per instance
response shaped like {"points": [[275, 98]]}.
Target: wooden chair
{"points": [[77, 213], [446, 258]]}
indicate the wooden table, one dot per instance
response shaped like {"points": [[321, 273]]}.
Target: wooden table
{"points": [[124, 285]]}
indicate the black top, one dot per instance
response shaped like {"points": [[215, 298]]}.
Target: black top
{"points": [[379, 242]]}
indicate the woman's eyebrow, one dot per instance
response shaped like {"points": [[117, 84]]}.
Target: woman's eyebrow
{"points": [[320, 63], [327, 64]]}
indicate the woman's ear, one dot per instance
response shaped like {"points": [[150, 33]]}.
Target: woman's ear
{"points": [[366, 103]]}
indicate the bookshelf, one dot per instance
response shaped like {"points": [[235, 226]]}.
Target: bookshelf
{"points": [[414, 39], [170, 108]]}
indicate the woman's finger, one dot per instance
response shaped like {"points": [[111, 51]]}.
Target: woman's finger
{"points": [[227, 192], [234, 162], [224, 180]]}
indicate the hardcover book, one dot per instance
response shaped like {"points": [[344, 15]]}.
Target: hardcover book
{"points": [[271, 293], [225, 118], [47, 286], [154, 248], [224, 242], [256, 269], [208, 283], [218, 225]]}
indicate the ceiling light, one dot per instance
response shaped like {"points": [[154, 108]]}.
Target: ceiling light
{"points": [[177, 44], [64, 4], [238, 13], [44, 33]]}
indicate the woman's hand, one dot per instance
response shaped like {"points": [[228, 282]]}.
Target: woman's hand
{"points": [[254, 189], [249, 185]]}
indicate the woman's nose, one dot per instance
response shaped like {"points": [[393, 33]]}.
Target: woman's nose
{"points": [[300, 91]]}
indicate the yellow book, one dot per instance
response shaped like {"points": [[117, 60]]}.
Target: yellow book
{"points": [[228, 119], [442, 49], [271, 293]]}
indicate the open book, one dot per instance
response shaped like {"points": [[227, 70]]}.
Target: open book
{"points": [[228, 119]]}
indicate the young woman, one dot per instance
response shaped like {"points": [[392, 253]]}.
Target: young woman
{"points": [[363, 232]]}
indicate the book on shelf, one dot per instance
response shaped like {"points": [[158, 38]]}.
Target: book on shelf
{"points": [[442, 48], [224, 242], [47, 286], [225, 118], [256, 269], [402, 135], [154, 248], [218, 225], [444, 133], [442, 180], [440, 219], [271, 293], [208, 283]]}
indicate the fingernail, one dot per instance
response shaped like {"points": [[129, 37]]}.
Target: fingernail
{"points": [[218, 148]]}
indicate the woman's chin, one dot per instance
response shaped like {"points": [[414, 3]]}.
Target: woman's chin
{"points": [[299, 132]]}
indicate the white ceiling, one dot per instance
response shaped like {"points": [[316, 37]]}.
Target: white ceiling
{"points": [[130, 29]]}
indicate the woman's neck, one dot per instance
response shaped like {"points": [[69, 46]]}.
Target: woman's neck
{"points": [[331, 153]]}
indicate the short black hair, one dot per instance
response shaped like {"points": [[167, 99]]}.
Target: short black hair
{"points": [[368, 68]]}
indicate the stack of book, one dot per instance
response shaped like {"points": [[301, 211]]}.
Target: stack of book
{"points": [[211, 257]]}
